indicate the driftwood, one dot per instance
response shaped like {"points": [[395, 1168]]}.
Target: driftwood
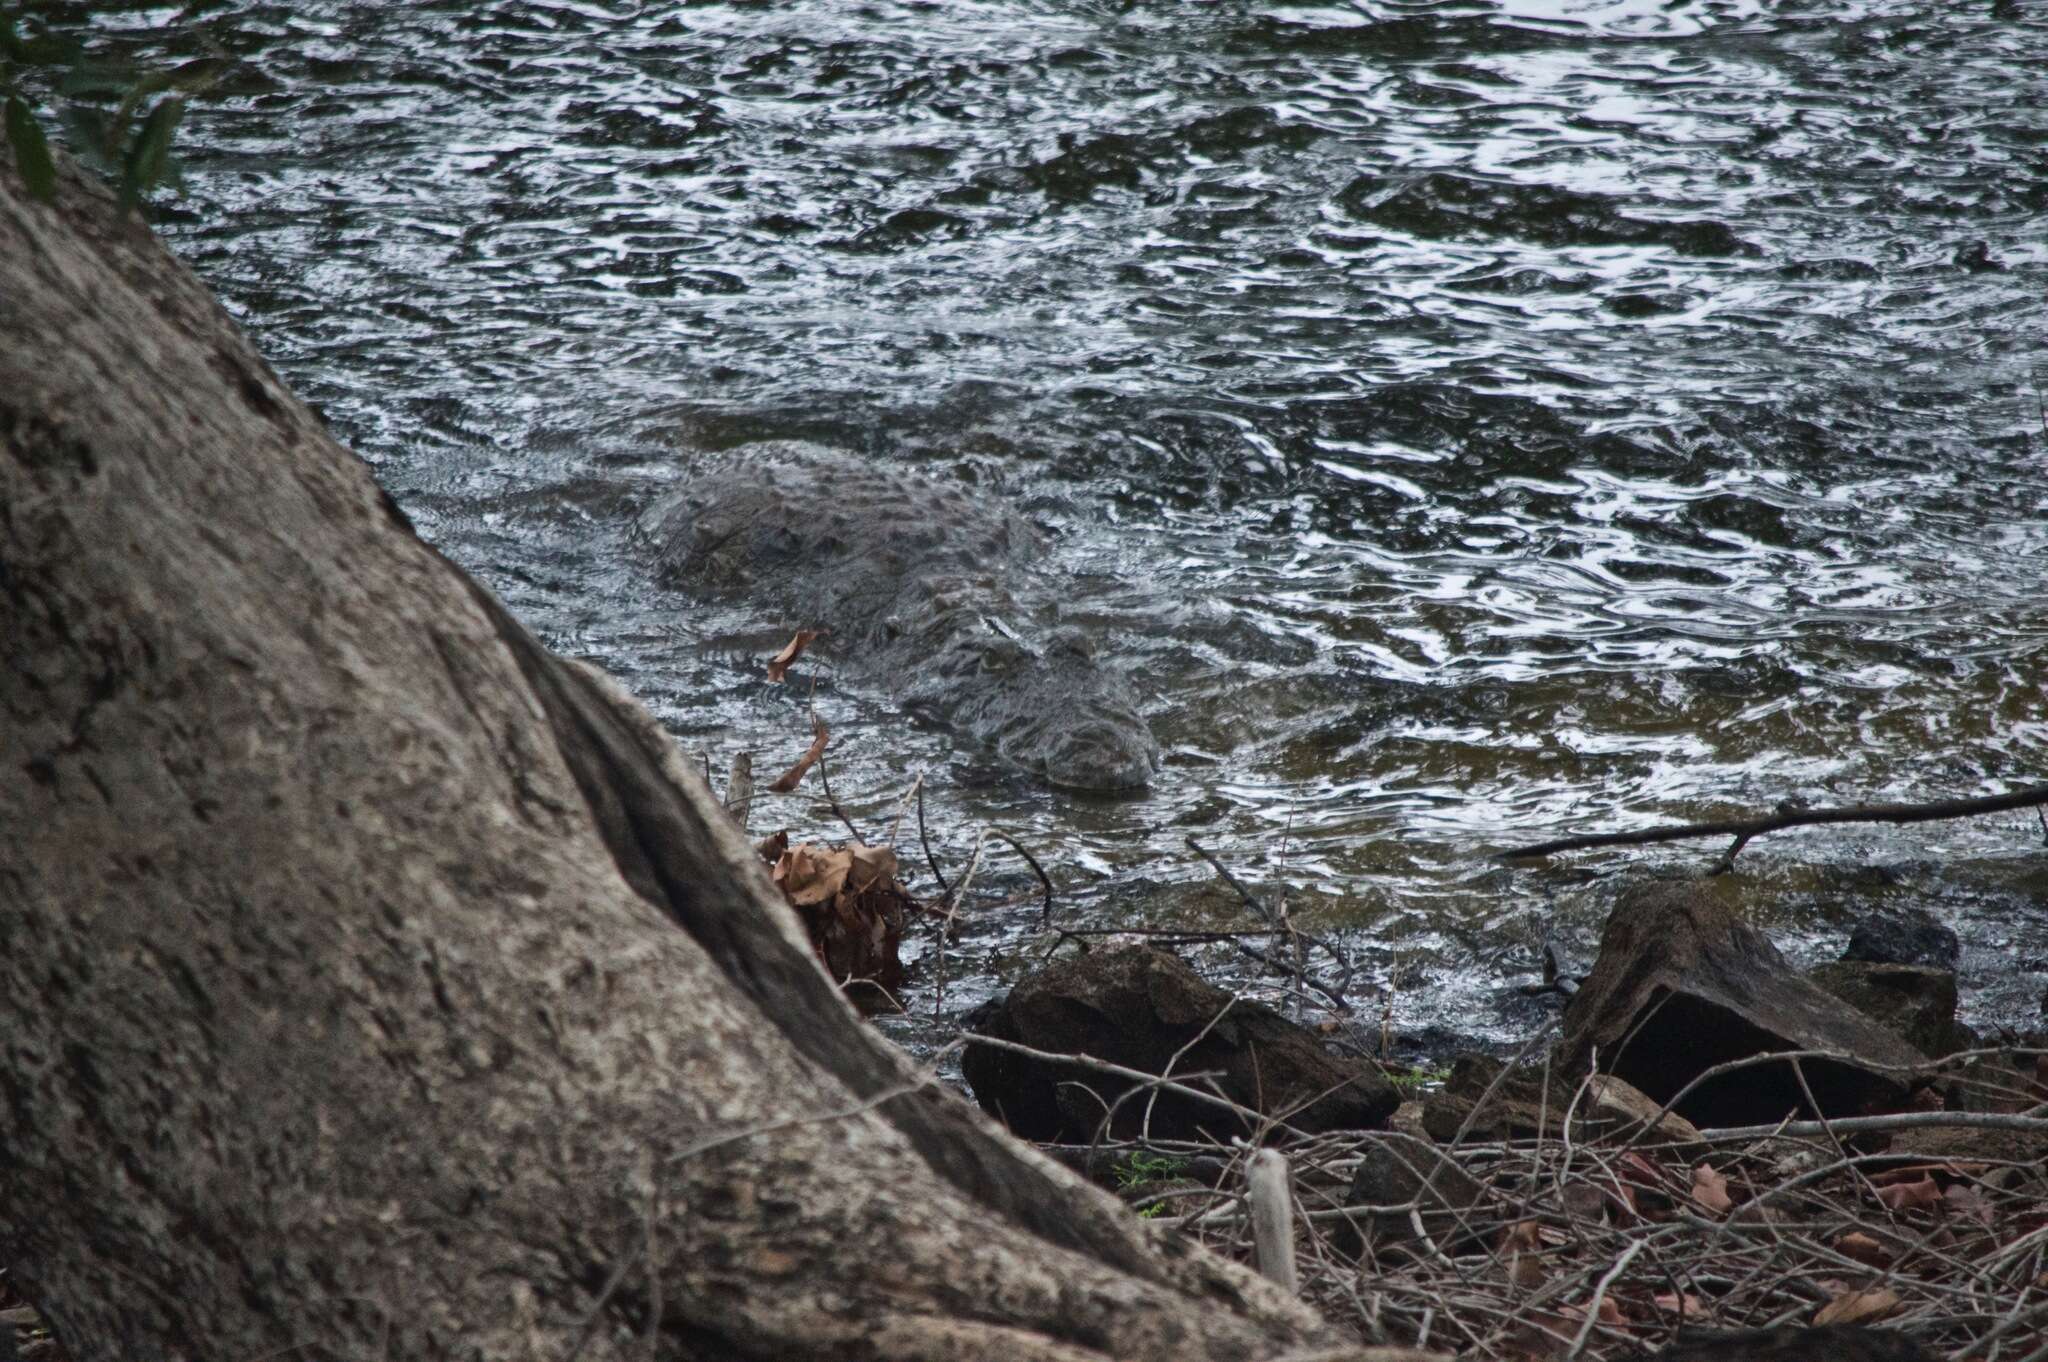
{"points": [[382, 985], [1743, 829]]}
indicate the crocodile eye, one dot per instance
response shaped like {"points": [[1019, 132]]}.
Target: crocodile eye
{"points": [[1001, 655], [1072, 643]]}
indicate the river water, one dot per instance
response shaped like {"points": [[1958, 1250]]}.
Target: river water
{"points": [[1468, 422]]}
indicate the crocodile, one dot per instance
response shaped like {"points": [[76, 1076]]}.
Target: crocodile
{"points": [[932, 590]]}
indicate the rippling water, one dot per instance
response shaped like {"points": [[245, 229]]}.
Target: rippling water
{"points": [[1469, 421]]}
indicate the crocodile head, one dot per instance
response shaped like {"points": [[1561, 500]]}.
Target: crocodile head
{"points": [[1053, 710]]}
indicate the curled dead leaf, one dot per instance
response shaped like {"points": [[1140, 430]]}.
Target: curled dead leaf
{"points": [[1906, 1196], [854, 912], [1710, 1190], [1610, 1313], [779, 665], [1863, 1249], [1858, 1307], [1522, 1243]]}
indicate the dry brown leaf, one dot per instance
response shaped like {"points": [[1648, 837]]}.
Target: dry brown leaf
{"points": [[1864, 1249], [810, 875], [853, 910], [787, 781], [1710, 1190], [1914, 1172], [1522, 1243], [1684, 1304], [875, 865], [779, 665], [1967, 1202], [1858, 1307], [1906, 1196], [1610, 1313]]}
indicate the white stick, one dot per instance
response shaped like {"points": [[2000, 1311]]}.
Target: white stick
{"points": [[1271, 1190]]}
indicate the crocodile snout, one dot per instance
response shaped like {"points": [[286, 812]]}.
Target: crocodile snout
{"points": [[1103, 756]]}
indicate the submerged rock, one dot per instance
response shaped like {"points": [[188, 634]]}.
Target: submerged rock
{"points": [[1144, 1009], [1682, 984], [1904, 936]]}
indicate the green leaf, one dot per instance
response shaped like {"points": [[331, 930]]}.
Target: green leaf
{"points": [[31, 152], [150, 152], [34, 45]]}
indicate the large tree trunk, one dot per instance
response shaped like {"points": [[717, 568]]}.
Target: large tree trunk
{"points": [[383, 986]]}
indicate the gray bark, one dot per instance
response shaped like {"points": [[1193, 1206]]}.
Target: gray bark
{"points": [[383, 986]]}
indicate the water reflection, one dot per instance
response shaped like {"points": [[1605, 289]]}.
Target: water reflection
{"points": [[1467, 419]]}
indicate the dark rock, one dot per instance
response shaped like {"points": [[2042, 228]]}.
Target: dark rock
{"points": [[1142, 1008], [1515, 1107], [1399, 1169], [1682, 984], [2023, 1152], [2011, 1081], [1830, 1343], [1904, 936], [1913, 1002]]}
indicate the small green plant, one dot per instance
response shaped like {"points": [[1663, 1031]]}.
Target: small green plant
{"points": [[1141, 1170], [131, 144], [1415, 1080]]}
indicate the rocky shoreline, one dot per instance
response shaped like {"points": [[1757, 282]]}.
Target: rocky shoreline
{"points": [[1709, 1141]]}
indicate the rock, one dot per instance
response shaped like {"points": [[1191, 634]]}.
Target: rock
{"points": [[2024, 1152], [1913, 1002], [1682, 984], [1141, 1008], [1408, 1120], [2011, 1081], [1619, 1100], [1830, 1343], [1397, 1169], [1518, 1109], [1904, 936]]}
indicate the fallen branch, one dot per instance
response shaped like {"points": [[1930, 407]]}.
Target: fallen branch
{"points": [[1269, 1188], [1742, 829]]}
